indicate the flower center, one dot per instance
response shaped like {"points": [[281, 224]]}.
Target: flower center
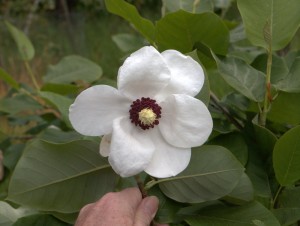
{"points": [[145, 113], [147, 116]]}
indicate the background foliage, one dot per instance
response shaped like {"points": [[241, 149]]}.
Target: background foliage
{"points": [[248, 171]]}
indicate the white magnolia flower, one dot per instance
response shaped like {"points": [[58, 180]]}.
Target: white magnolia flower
{"points": [[152, 120]]}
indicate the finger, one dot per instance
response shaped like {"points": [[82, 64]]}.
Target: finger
{"points": [[83, 214], [146, 211], [118, 208]]}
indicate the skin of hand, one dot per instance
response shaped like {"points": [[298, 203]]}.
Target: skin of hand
{"points": [[125, 208]]}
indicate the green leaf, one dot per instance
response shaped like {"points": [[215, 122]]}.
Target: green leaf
{"points": [[55, 135], [167, 208], [66, 217], [289, 197], [38, 220], [291, 83], [128, 42], [287, 216], [62, 89], [265, 139], [251, 214], [279, 68], [256, 170], [285, 109], [130, 13], [243, 191], [286, 157], [204, 94], [60, 177], [212, 173], [9, 215], [235, 143], [191, 6], [12, 154], [182, 30], [62, 103], [18, 103], [242, 77], [272, 22], [289, 206], [71, 69], [218, 85], [9, 79], [24, 45]]}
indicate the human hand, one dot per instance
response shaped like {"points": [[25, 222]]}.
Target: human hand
{"points": [[125, 208]]}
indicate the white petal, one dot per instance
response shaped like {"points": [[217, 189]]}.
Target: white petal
{"points": [[187, 76], [186, 121], [105, 145], [131, 148], [167, 160], [95, 108], [143, 74]]}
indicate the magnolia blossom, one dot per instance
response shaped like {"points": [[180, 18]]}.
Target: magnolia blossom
{"points": [[152, 120]]}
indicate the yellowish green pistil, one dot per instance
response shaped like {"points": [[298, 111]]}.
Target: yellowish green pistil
{"points": [[147, 116]]}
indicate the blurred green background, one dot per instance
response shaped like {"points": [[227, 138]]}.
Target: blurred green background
{"points": [[58, 28]]}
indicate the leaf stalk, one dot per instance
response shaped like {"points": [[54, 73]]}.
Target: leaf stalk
{"points": [[268, 95], [28, 68]]}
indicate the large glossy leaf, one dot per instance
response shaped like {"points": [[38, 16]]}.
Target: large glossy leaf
{"points": [[212, 173], [130, 13], [286, 157], [235, 143], [270, 21], [71, 69], [251, 214], [182, 30], [9, 79], [39, 220], [291, 82], [66, 217], [242, 77], [55, 135], [60, 177], [285, 109], [243, 191], [25, 47]]}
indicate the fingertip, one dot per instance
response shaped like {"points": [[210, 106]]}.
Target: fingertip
{"points": [[146, 211], [151, 205]]}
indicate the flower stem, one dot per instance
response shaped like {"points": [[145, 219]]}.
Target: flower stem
{"points": [[268, 96], [141, 186], [276, 196], [28, 68]]}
